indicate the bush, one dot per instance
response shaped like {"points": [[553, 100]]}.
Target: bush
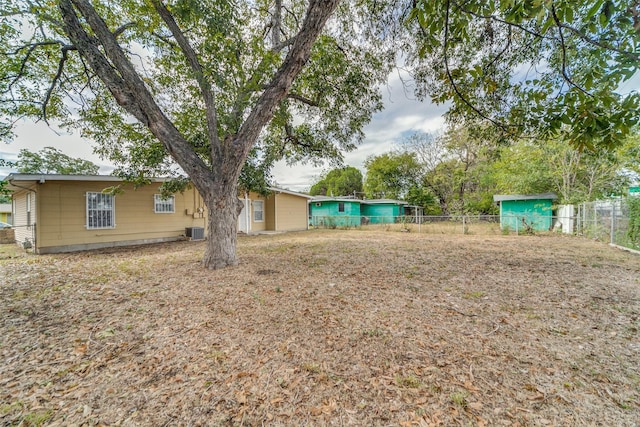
{"points": [[633, 233]]}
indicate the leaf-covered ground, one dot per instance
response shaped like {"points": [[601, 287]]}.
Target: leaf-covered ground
{"points": [[325, 327]]}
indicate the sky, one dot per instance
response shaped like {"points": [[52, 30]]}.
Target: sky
{"points": [[401, 116]]}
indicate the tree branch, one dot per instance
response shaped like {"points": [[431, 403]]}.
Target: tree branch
{"points": [[303, 100], [54, 82], [126, 86], [192, 59], [503, 21], [318, 13], [276, 24], [565, 74], [451, 79], [606, 46]]}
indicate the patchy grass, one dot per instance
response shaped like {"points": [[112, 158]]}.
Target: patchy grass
{"points": [[326, 327]]}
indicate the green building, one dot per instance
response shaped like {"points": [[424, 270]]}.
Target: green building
{"points": [[519, 212], [382, 211], [334, 212]]}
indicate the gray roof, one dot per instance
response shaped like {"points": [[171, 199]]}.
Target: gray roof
{"points": [[334, 199], [507, 197], [44, 177], [384, 201]]}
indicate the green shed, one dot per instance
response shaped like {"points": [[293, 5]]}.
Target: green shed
{"points": [[330, 211], [382, 211], [519, 211]]}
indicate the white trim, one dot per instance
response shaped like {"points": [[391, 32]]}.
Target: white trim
{"points": [[112, 210], [253, 206], [169, 202]]}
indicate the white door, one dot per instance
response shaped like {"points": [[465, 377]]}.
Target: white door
{"points": [[242, 218]]}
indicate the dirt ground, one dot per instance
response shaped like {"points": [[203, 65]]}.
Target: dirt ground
{"points": [[326, 327]]}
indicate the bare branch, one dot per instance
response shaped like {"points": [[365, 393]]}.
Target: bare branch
{"points": [[54, 82], [278, 47], [565, 74], [123, 28], [303, 100], [276, 24]]}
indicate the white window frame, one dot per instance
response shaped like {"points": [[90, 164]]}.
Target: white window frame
{"points": [[110, 210], [28, 209], [164, 206], [256, 210]]}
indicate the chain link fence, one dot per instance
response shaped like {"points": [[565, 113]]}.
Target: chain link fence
{"points": [[607, 221], [444, 224]]}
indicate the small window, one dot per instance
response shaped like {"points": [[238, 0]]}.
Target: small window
{"points": [[28, 209], [100, 211], [340, 206], [258, 211], [161, 205]]}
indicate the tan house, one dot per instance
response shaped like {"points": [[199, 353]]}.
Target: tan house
{"points": [[5, 213], [65, 213]]}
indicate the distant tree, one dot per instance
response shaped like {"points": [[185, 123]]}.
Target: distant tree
{"points": [[575, 175], [339, 182], [52, 160], [391, 175], [452, 163], [429, 148], [422, 196]]}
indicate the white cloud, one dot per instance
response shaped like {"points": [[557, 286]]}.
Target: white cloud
{"points": [[402, 114], [36, 136]]}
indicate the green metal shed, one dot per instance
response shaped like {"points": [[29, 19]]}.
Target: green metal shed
{"points": [[518, 212], [334, 211], [382, 211]]}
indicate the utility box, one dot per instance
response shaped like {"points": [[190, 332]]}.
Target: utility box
{"points": [[195, 233]]}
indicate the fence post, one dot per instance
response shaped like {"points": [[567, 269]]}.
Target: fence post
{"points": [[517, 233], [613, 220]]}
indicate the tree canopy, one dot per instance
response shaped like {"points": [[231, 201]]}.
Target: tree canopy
{"points": [[52, 160], [204, 84], [391, 175], [339, 182], [550, 68]]}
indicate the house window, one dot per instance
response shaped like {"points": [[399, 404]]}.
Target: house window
{"points": [[258, 211], [340, 206], [161, 205], [100, 211], [28, 209]]}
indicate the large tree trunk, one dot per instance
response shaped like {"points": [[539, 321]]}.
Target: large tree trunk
{"points": [[217, 185], [223, 210]]}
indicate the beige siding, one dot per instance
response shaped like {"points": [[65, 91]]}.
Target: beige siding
{"points": [[63, 219], [258, 225], [291, 212], [270, 212]]}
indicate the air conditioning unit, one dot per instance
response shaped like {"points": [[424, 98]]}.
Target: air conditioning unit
{"points": [[195, 233]]}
